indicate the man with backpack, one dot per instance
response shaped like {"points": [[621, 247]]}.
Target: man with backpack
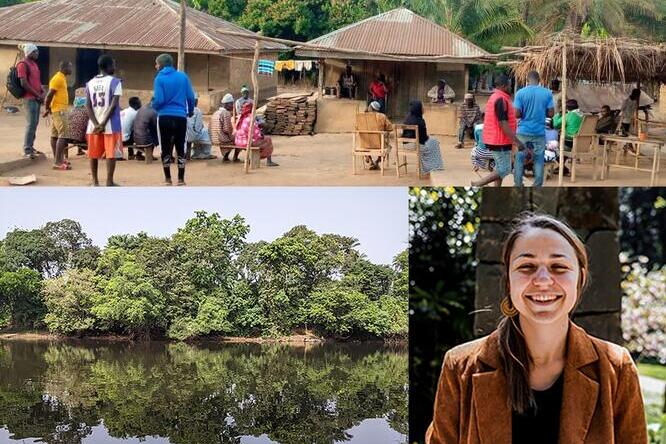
{"points": [[29, 77]]}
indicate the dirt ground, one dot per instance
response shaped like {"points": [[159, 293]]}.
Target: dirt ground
{"points": [[322, 159]]}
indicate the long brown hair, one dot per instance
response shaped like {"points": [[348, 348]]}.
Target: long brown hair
{"points": [[514, 355]]}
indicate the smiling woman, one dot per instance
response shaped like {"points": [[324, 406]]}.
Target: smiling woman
{"points": [[538, 376]]}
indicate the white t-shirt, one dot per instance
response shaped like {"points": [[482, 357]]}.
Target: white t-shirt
{"points": [[127, 117], [100, 91]]}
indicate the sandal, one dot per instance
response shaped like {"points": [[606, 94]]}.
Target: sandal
{"points": [[62, 167]]}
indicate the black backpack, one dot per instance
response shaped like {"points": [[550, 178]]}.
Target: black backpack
{"points": [[14, 83]]}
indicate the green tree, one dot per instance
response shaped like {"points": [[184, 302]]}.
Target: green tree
{"points": [[226, 9], [20, 298], [370, 279], [50, 250], [615, 17], [31, 249], [128, 302], [69, 300], [290, 19]]}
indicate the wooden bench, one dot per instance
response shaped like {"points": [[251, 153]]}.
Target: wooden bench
{"points": [[255, 155], [147, 151]]}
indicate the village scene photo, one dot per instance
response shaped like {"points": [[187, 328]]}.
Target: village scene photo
{"points": [[353, 92]]}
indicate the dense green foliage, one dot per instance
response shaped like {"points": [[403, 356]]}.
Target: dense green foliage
{"points": [[442, 261], [199, 394], [489, 23], [203, 280]]}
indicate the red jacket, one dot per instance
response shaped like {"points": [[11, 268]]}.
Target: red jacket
{"points": [[492, 132]]}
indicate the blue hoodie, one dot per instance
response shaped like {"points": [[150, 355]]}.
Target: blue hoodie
{"points": [[173, 94]]}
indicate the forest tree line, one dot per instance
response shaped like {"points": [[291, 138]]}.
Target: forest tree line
{"points": [[203, 280]]}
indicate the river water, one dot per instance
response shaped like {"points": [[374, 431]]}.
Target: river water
{"points": [[161, 392]]}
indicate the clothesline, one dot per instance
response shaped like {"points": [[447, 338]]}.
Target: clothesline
{"points": [[294, 65]]}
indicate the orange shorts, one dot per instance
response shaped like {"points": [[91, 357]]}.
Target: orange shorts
{"points": [[105, 145]]}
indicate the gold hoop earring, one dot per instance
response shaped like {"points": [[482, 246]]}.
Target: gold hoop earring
{"points": [[507, 308]]}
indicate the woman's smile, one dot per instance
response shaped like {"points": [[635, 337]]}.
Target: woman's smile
{"points": [[543, 298]]}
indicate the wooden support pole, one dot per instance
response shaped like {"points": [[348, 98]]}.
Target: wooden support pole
{"points": [[320, 80], [181, 43], [255, 97], [563, 110]]}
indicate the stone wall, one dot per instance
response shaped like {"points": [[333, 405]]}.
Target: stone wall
{"points": [[593, 213]]}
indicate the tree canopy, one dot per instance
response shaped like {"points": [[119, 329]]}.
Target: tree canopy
{"points": [[488, 23], [205, 279]]}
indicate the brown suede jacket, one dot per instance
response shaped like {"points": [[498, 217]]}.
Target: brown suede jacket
{"points": [[601, 399]]}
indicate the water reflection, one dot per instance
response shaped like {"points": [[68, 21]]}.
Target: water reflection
{"points": [[80, 392]]}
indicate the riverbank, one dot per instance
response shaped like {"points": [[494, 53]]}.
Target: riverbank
{"points": [[296, 339]]}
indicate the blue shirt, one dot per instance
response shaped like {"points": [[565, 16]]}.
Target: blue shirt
{"points": [[533, 101], [172, 93]]}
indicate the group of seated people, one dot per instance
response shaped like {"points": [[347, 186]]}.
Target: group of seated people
{"points": [[607, 123], [373, 119], [229, 129]]}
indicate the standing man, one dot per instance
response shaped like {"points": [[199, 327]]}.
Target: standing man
{"points": [[56, 104], [105, 137], [377, 92], [29, 75], [174, 102], [222, 128], [347, 83], [533, 104], [470, 116], [242, 100], [499, 131]]}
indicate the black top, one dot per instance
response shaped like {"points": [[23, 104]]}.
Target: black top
{"points": [[500, 111], [415, 117], [540, 425], [423, 132]]}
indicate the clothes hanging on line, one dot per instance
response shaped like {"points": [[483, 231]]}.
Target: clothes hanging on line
{"points": [[266, 67], [284, 64], [298, 65]]}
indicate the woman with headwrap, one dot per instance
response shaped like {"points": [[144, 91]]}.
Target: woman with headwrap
{"points": [[264, 143], [431, 158]]}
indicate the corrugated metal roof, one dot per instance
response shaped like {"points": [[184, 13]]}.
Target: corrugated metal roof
{"points": [[150, 24], [400, 32]]}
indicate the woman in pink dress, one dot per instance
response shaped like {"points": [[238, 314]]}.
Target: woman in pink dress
{"points": [[264, 143]]}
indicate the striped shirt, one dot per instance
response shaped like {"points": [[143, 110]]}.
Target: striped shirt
{"points": [[221, 128]]}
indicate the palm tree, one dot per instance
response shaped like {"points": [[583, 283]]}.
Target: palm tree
{"points": [[488, 23], [608, 16]]}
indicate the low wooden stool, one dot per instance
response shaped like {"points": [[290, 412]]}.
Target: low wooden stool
{"points": [[147, 151]]}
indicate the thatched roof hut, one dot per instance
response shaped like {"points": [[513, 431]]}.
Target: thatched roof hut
{"points": [[600, 60]]}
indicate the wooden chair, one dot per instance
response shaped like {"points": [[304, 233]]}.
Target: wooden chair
{"points": [[585, 146], [373, 137], [401, 151]]}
